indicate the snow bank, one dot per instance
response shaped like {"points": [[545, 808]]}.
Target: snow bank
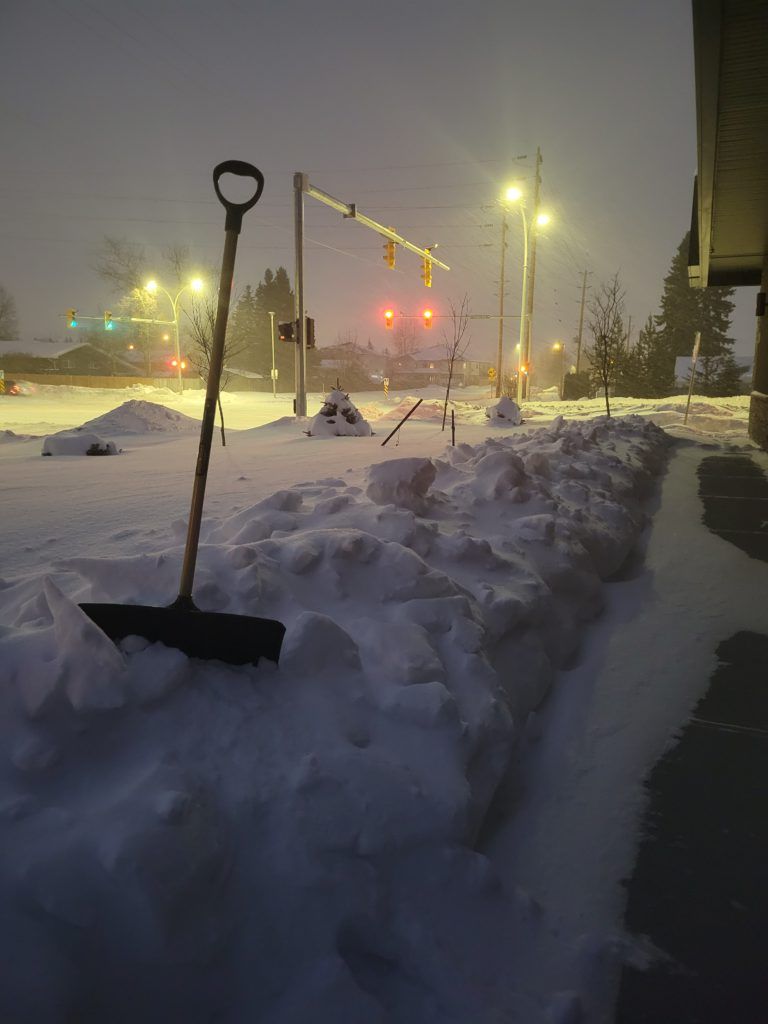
{"points": [[137, 416], [339, 418], [77, 442], [186, 840]]}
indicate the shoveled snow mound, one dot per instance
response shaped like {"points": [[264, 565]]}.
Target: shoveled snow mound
{"points": [[77, 442], [188, 840], [339, 418], [137, 416], [504, 412]]}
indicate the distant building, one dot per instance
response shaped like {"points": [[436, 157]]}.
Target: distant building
{"points": [[74, 357]]}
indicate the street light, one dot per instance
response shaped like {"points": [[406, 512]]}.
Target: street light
{"points": [[560, 347], [274, 372], [515, 195], [195, 285]]}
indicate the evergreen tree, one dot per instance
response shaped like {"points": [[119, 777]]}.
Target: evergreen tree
{"points": [[9, 322], [243, 327], [686, 310], [274, 294], [648, 370]]}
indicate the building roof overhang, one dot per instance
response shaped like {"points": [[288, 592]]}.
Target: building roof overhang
{"points": [[729, 223]]}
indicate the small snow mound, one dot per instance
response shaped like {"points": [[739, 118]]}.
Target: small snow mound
{"points": [[77, 442], [401, 482], [339, 418], [315, 643], [7, 436], [139, 417], [504, 412]]}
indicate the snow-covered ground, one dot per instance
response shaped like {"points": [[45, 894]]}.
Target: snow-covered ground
{"points": [[312, 841]]}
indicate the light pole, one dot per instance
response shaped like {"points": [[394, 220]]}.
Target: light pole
{"points": [[514, 194], [560, 347], [195, 285], [274, 378]]}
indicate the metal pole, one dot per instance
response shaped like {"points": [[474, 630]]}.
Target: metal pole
{"points": [[524, 304], [529, 325], [176, 335], [272, 329], [581, 321], [694, 357], [299, 184], [501, 303], [402, 421]]}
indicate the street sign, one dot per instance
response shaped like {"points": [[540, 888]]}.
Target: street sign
{"points": [[492, 374]]}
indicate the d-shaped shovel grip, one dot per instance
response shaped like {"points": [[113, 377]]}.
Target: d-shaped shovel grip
{"points": [[235, 211]]}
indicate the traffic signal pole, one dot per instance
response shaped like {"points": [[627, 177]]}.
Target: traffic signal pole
{"points": [[302, 187]]}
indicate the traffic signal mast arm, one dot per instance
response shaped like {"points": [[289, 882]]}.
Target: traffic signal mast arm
{"points": [[350, 211], [119, 319]]}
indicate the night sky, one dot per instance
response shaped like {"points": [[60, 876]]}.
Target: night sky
{"points": [[114, 115]]}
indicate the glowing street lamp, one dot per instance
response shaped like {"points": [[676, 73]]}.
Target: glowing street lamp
{"points": [[195, 285], [560, 347], [515, 195]]}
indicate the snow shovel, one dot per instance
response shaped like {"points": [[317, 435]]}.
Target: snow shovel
{"points": [[237, 639]]}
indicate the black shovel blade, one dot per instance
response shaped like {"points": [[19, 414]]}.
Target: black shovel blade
{"points": [[236, 639]]}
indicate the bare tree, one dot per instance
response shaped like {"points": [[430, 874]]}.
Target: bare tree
{"points": [[122, 264], [606, 325], [9, 324], [405, 337], [455, 342], [202, 321]]}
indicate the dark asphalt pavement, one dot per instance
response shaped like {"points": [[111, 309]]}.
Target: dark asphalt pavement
{"points": [[699, 890]]}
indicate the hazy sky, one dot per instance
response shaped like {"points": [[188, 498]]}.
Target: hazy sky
{"points": [[114, 114]]}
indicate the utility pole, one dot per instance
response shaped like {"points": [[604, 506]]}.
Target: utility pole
{"points": [[532, 268], [272, 330], [300, 184], [581, 321], [501, 303], [629, 334]]}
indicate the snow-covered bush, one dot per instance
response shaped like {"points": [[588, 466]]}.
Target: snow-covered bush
{"points": [[339, 417], [504, 412]]}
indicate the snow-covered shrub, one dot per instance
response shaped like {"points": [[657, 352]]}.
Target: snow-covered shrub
{"points": [[339, 417], [504, 412]]}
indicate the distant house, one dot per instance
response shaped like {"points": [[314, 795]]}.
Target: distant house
{"points": [[74, 357], [683, 369], [432, 365]]}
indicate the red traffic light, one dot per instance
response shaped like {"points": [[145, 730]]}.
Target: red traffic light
{"points": [[389, 317], [428, 317]]}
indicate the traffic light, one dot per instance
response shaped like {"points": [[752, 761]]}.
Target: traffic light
{"points": [[286, 332], [310, 332], [389, 253], [426, 272], [108, 322], [389, 318], [72, 317], [427, 317]]}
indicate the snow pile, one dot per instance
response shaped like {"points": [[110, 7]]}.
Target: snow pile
{"points": [[339, 418], [8, 436], [140, 417], [186, 839], [77, 442], [504, 412]]}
